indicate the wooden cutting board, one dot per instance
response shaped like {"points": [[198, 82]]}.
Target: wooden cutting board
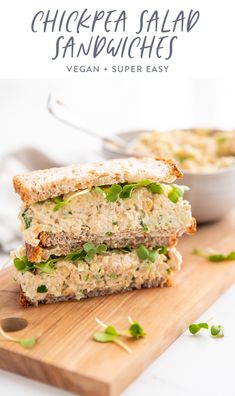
{"points": [[67, 357]]}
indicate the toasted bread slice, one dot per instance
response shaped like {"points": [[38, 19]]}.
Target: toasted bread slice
{"points": [[44, 184]]}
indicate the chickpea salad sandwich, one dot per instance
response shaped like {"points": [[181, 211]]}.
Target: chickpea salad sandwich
{"points": [[99, 228]]}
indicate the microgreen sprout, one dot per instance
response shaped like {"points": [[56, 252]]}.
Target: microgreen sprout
{"points": [[214, 257], [60, 202], [86, 253], [175, 193], [135, 329], [125, 190], [194, 328], [24, 342], [217, 331], [111, 334], [23, 264], [91, 251], [150, 254]]}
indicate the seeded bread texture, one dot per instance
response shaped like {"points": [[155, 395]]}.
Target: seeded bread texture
{"points": [[62, 243], [48, 183]]}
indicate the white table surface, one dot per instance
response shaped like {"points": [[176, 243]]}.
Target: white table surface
{"points": [[192, 365]]}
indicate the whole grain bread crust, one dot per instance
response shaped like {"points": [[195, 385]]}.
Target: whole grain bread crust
{"points": [[50, 299], [48, 183], [62, 243]]}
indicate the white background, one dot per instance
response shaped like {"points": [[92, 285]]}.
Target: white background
{"points": [[111, 106], [207, 51]]}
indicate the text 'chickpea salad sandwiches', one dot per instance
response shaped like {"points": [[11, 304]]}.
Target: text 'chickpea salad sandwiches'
{"points": [[99, 228]]}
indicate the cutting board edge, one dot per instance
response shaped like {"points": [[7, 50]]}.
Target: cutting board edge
{"points": [[60, 378]]}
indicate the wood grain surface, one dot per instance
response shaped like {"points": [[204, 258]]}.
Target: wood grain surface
{"points": [[67, 357]]}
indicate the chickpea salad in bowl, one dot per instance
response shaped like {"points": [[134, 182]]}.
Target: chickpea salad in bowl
{"points": [[195, 150]]}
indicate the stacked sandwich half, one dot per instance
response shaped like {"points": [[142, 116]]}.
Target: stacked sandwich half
{"points": [[99, 228]]}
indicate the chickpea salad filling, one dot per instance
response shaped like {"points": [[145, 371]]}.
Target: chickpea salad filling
{"points": [[107, 213], [195, 150], [97, 268]]}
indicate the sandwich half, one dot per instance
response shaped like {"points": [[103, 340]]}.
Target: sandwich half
{"points": [[81, 274], [99, 228]]}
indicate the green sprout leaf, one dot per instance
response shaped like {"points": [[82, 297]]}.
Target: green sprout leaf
{"points": [[153, 255], [112, 193], [76, 255], [101, 248], [144, 183], [150, 254], [128, 189], [27, 219], [91, 251], [86, 253], [203, 326], [23, 264], [111, 330], [125, 190], [156, 188], [135, 329], [47, 266], [60, 202], [88, 246], [196, 327], [143, 252], [90, 256], [101, 336], [162, 249], [24, 342], [217, 331], [20, 264], [42, 289], [111, 334], [28, 342], [216, 257], [174, 194]]}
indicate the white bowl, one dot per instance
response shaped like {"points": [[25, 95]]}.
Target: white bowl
{"points": [[212, 195]]}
